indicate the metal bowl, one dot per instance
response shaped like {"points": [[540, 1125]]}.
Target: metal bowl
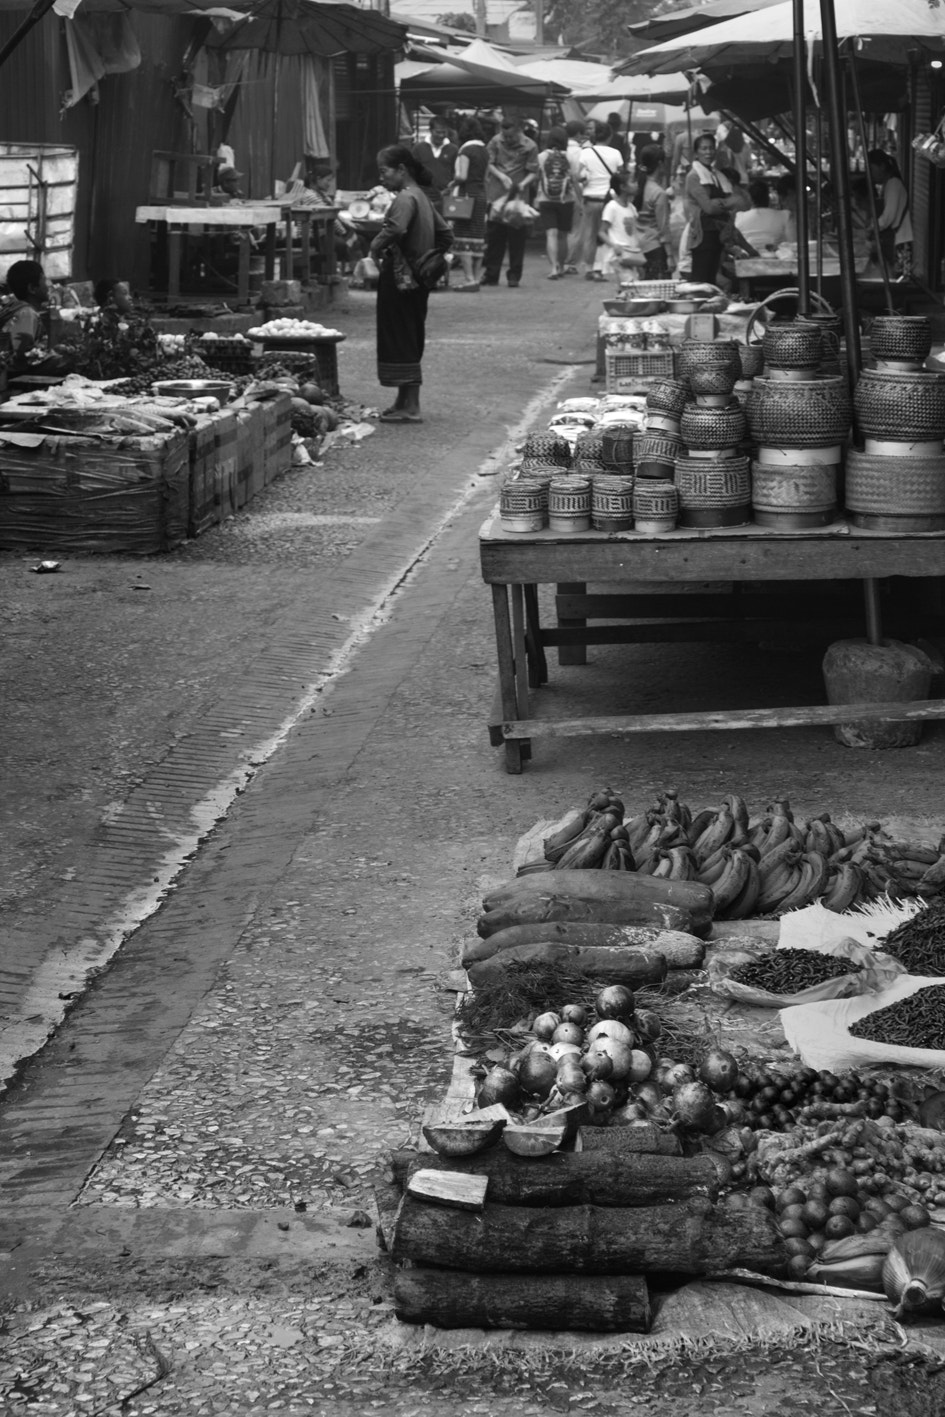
{"points": [[684, 307], [194, 388], [629, 306]]}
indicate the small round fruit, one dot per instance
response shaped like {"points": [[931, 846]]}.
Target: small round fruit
{"points": [[597, 1065], [838, 1227], [563, 1050], [845, 1205], [793, 1212], [620, 1054], [545, 1025], [681, 1073], [568, 1033], [616, 1001], [601, 1096], [537, 1074], [817, 1241], [762, 1195], [866, 1222], [797, 1245], [641, 1065], [611, 1028], [914, 1217], [574, 1013], [814, 1215], [499, 1085], [792, 1196], [797, 1266], [794, 1229], [840, 1182]]}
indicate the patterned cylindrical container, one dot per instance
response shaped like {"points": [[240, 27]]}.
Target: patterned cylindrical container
{"points": [[713, 492], [611, 503], [795, 495], [655, 506], [569, 504], [523, 505]]}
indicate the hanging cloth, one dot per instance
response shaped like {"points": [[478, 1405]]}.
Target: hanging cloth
{"points": [[315, 141]]}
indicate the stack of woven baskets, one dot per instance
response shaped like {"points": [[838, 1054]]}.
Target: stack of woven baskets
{"points": [[897, 483], [799, 421], [655, 448], [711, 470]]}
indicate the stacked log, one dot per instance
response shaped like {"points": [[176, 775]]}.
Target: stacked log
{"points": [[566, 1241]]}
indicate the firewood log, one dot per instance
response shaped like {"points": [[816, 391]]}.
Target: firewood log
{"points": [[614, 1303]]}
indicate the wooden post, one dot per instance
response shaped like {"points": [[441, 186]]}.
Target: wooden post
{"points": [[174, 240], [572, 654], [800, 131], [840, 172], [617, 1303]]}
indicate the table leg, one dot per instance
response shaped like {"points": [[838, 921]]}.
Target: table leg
{"points": [[537, 663], [572, 654], [269, 255], [327, 247], [506, 662], [242, 277], [289, 264], [874, 621], [520, 650], [174, 243]]}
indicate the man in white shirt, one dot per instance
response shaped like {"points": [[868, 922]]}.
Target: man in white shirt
{"points": [[600, 164], [762, 226]]}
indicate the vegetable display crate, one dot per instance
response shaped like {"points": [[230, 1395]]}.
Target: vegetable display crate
{"points": [[73, 493], [625, 370], [214, 451], [231, 356], [296, 352]]}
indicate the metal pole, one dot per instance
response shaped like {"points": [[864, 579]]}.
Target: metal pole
{"points": [[840, 171], [874, 622], [800, 170], [874, 214], [41, 8], [758, 137]]}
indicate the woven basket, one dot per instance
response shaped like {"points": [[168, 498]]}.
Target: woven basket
{"points": [[617, 446], [713, 378], [801, 413], [907, 338], [901, 492], [794, 346], [654, 453], [569, 503], [713, 428], [713, 493], [794, 496], [523, 505], [700, 354], [667, 396], [752, 359], [655, 505], [611, 503], [546, 447], [907, 408], [588, 455], [649, 289]]}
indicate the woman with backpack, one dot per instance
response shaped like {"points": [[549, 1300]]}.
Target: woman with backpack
{"points": [[555, 200], [405, 250]]}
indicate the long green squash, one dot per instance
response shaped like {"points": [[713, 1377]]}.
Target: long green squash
{"points": [[602, 897], [635, 968], [681, 950]]}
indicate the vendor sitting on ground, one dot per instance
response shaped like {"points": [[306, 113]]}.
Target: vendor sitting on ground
{"points": [[22, 331], [114, 295], [227, 184]]}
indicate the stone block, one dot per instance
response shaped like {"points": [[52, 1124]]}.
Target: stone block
{"points": [[280, 292]]}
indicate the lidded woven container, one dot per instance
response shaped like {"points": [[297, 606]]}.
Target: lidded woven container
{"points": [[752, 360], [794, 346], [546, 448], [655, 505], [831, 339], [900, 408], [611, 502], [654, 453], [588, 456], [903, 339], [569, 503], [713, 429], [523, 505], [701, 354], [794, 495], [802, 413], [713, 379], [901, 493], [713, 492], [667, 396], [617, 446]]}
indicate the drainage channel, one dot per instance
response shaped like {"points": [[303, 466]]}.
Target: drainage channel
{"points": [[145, 843]]}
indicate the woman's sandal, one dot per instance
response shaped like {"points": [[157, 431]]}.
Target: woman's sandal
{"points": [[399, 415]]}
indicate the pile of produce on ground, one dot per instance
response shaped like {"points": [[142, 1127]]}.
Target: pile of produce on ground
{"points": [[606, 1136], [761, 867]]}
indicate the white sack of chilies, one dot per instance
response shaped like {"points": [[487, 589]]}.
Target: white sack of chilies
{"points": [[813, 928], [820, 1033]]}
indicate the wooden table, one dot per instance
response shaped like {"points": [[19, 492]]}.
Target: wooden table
{"points": [[761, 276], [246, 216], [515, 565]]}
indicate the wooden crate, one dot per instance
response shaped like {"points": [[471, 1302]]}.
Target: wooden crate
{"points": [[277, 422], [70, 493], [250, 453], [625, 371], [213, 471]]}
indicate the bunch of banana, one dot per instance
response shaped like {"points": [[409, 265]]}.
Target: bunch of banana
{"points": [[907, 868], [592, 836], [856, 1261]]}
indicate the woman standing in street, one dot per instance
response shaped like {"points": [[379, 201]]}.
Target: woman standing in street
{"points": [[412, 228], [894, 219], [709, 204], [652, 205], [469, 180]]}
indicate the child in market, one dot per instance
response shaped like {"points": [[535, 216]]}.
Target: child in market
{"points": [[620, 246]]}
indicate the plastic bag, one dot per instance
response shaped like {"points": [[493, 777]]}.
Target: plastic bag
{"points": [[877, 972], [820, 1033], [512, 211]]}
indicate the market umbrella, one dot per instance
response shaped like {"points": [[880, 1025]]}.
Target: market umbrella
{"points": [[880, 31], [322, 28], [660, 27], [474, 85]]}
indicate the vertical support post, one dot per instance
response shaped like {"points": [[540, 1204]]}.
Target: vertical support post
{"points": [[800, 148], [874, 622], [840, 172], [174, 240], [874, 214]]}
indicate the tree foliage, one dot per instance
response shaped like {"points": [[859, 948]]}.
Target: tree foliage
{"points": [[458, 21], [597, 26]]}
